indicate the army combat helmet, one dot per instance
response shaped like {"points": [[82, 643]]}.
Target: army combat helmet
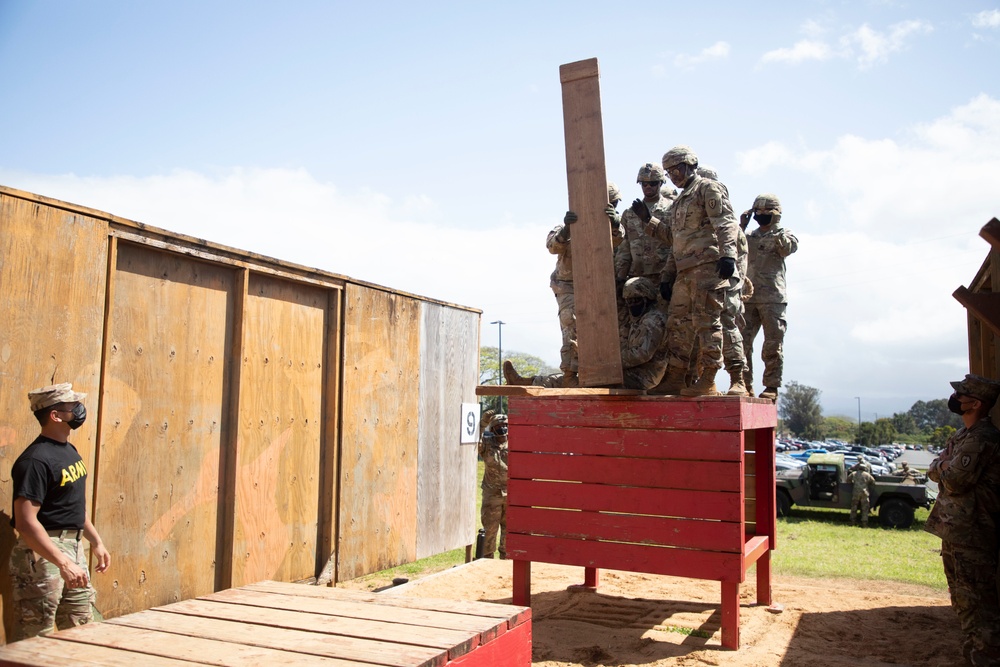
{"points": [[768, 204], [498, 427], [650, 172], [678, 155], [639, 288], [614, 194]]}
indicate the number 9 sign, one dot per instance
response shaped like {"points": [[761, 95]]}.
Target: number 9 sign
{"points": [[470, 423]]}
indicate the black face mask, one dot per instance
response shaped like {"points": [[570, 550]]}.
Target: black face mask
{"points": [[762, 219], [637, 309], [79, 416], [955, 405]]}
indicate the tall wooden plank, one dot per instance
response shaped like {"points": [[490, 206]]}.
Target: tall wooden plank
{"points": [[380, 404], [593, 267], [446, 478], [281, 405], [330, 448], [53, 266], [162, 427]]}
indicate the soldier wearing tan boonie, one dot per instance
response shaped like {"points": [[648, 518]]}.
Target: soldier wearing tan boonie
{"points": [[48, 565], [966, 516]]}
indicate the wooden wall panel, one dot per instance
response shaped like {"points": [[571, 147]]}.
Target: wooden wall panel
{"points": [[53, 268], [380, 406], [157, 505], [280, 428], [446, 477]]}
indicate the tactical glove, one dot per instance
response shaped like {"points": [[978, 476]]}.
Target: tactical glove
{"points": [[639, 208], [612, 215], [745, 218], [726, 266], [569, 218]]}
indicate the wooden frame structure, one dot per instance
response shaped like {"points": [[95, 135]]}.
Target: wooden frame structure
{"points": [[982, 301]]}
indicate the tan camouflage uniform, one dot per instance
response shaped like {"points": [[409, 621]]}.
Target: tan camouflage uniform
{"points": [[644, 350], [493, 451], [561, 282], [863, 485], [766, 308], [733, 310], [699, 229], [641, 254], [966, 516], [42, 603]]}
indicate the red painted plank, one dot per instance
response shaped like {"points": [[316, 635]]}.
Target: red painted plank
{"points": [[721, 506], [521, 582], [651, 530], [655, 473], [633, 443], [511, 649], [730, 615], [764, 578], [766, 521], [644, 412], [630, 557]]}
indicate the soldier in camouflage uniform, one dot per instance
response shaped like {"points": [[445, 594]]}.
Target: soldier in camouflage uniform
{"points": [[493, 452], [643, 348], [863, 484], [48, 565], [769, 244], [561, 281], [966, 516], [642, 254], [700, 232]]}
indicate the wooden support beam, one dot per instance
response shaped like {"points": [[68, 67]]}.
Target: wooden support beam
{"points": [[984, 305], [598, 347], [991, 232]]}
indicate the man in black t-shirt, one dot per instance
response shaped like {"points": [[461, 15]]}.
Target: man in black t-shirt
{"points": [[48, 566]]}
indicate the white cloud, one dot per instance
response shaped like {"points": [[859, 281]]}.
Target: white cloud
{"points": [[989, 18], [872, 47], [718, 51], [806, 49]]}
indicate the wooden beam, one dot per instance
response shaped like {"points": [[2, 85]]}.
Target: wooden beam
{"points": [[598, 347], [984, 305], [991, 232]]}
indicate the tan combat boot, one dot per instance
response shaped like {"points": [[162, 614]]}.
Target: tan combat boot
{"points": [[736, 386], [512, 377], [671, 384], [705, 386], [570, 380], [748, 383], [770, 393]]}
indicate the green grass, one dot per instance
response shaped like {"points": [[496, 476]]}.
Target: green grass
{"points": [[812, 542]]}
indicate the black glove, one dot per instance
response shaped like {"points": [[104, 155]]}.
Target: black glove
{"points": [[612, 214], [569, 218], [726, 266], [667, 290], [639, 208]]}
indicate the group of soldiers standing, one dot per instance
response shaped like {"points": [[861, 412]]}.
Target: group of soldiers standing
{"points": [[693, 288]]}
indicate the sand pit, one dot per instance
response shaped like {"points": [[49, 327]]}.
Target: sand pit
{"points": [[639, 619]]}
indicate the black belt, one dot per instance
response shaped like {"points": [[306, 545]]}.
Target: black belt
{"points": [[65, 533]]}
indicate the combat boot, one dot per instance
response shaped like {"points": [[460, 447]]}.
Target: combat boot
{"points": [[705, 386], [512, 376], [671, 384], [570, 380], [736, 386], [770, 393], [748, 383]]}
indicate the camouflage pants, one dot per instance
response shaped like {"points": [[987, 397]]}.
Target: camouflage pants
{"points": [[860, 501], [567, 323], [694, 317], [494, 517], [732, 340], [770, 316], [41, 601], [971, 575]]}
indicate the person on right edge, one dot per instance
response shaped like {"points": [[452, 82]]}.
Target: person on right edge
{"points": [[769, 245], [966, 516]]}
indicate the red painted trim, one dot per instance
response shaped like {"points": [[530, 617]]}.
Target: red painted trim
{"points": [[511, 649], [633, 443]]}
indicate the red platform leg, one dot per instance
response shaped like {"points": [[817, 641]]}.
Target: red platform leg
{"points": [[522, 583], [764, 578], [730, 614]]}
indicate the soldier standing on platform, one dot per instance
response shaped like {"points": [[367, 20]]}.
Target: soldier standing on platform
{"points": [[642, 254], [493, 514], [769, 245], [966, 516], [561, 281], [700, 232]]}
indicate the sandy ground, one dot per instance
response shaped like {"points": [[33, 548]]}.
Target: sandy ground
{"points": [[638, 619]]}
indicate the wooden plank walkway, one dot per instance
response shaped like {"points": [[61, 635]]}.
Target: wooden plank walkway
{"points": [[274, 623]]}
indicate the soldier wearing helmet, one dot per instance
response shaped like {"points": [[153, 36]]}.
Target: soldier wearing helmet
{"points": [[561, 281], [642, 254], [769, 245], [700, 231], [643, 349], [493, 512]]}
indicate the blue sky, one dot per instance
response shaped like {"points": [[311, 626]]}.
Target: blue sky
{"points": [[421, 147]]}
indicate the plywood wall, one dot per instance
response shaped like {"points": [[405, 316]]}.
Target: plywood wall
{"points": [[249, 419], [53, 267]]}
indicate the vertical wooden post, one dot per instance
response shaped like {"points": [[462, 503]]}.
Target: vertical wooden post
{"points": [[598, 347]]}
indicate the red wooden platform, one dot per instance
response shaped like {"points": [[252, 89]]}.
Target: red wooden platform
{"points": [[661, 485], [271, 623]]}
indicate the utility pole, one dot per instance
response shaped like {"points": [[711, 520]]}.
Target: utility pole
{"points": [[499, 324], [859, 418]]}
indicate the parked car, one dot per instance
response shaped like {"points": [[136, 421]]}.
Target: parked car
{"points": [[806, 453]]}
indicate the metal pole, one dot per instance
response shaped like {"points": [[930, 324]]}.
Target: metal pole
{"points": [[499, 350], [859, 418]]}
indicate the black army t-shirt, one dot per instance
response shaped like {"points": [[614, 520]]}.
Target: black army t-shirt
{"points": [[52, 473]]}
